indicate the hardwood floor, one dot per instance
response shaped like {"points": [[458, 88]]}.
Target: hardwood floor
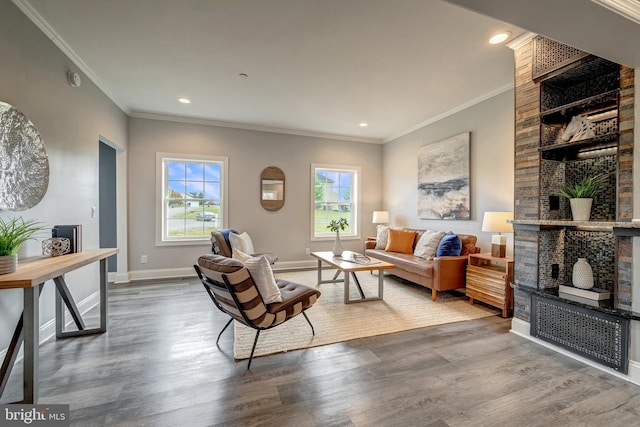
{"points": [[158, 365]]}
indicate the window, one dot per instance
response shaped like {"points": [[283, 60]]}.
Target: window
{"points": [[335, 195], [191, 197]]}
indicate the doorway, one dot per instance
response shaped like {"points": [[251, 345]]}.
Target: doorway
{"points": [[107, 202]]}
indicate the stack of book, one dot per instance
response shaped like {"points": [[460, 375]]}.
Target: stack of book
{"points": [[595, 297], [71, 232]]}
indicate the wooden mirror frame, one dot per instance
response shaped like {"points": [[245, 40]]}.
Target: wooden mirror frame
{"points": [[272, 182]]}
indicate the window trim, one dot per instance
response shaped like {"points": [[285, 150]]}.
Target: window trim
{"points": [[160, 206], [355, 235]]}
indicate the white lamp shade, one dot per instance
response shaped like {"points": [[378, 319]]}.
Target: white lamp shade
{"points": [[496, 222], [380, 217]]}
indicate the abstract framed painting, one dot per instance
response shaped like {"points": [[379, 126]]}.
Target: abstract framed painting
{"points": [[443, 179]]}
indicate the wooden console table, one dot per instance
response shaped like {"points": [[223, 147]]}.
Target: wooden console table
{"points": [[31, 275]]}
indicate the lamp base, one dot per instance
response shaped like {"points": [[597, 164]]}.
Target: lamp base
{"points": [[499, 251]]}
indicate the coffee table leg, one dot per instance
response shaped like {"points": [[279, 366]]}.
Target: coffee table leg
{"points": [[319, 272], [380, 283], [346, 288]]}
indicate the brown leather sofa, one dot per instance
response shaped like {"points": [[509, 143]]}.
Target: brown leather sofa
{"points": [[438, 274]]}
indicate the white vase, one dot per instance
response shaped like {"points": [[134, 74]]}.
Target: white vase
{"points": [[8, 263], [581, 209], [337, 245], [582, 274]]}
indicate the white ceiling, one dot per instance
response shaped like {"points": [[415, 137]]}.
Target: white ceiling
{"points": [[317, 67]]}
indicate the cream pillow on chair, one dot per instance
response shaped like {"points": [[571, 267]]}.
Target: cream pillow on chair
{"points": [[262, 275], [241, 242]]}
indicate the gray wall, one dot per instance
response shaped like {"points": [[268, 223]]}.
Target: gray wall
{"points": [[285, 232], [70, 121], [491, 125]]}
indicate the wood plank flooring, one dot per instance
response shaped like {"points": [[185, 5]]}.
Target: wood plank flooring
{"points": [[158, 365]]}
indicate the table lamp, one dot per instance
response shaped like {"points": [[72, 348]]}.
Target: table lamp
{"points": [[496, 222], [380, 217]]}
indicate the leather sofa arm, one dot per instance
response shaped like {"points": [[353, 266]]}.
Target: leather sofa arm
{"points": [[449, 269], [369, 244]]}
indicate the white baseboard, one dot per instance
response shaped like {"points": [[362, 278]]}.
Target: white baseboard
{"points": [[48, 329], [521, 328], [177, 273]]}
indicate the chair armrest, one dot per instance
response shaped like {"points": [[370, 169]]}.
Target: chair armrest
{"points": [[369, 244]]}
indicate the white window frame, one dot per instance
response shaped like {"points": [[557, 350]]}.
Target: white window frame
{"points": [[355, 195], [161, 239]]}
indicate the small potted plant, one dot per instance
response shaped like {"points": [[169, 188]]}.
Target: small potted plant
{"points": [[581, 194], [13, 233], [337, 225]]}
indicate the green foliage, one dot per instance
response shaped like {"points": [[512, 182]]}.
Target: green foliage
{"points": [[587, 187], [14, 232], [338, 224]]}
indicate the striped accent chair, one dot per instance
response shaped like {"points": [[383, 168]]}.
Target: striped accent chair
{"points": [[232, 289]]}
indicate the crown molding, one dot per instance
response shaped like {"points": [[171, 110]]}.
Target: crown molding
{"points": [[521, 40], [452, 111], [248, 126], [630, 9], [51, 33]]}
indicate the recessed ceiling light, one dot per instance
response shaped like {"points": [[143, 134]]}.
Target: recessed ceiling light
{"points": [[184, 100], [364, 124], [499, 38]]}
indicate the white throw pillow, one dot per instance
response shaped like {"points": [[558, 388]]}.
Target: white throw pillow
{"points": [[262, 275], [428, 244], [382, 236], [241, 242]]}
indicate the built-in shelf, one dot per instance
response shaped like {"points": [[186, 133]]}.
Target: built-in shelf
{"points": [[627, 228], [561, 113], [601, 145]]}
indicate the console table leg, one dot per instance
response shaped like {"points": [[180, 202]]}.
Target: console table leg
{"points": [[31, 315], [64, 294]]}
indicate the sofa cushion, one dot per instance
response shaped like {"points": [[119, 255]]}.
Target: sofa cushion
{"points": [[406, 262], [468, 244], [428, 244], [382, 236], [450, 245], [400, 241]]}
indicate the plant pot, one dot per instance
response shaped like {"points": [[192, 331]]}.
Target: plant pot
{"points": [[581, 209], [8, 263], [337, 246]]}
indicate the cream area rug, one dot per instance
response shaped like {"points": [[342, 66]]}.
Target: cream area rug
{"points": [[404, 307]]}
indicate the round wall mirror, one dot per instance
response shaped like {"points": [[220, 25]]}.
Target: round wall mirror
{"points": [[272, 188]]}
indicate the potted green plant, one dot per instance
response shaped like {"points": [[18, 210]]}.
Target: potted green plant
{"points": [[13, 233], [581, 194], [337, 225]]}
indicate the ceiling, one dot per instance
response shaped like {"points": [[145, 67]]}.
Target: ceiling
{"points": [[313, 67]]}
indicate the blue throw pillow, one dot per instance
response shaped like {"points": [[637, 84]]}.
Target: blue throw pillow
{"points": [[450, 245]]}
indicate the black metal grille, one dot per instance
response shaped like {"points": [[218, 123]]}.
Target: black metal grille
{"points": [[597, 336], [549, 55]]}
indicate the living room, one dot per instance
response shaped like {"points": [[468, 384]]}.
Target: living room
{"points": [[73, 120]]}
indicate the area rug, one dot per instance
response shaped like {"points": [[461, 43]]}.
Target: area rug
{"points": [[404, 307]]}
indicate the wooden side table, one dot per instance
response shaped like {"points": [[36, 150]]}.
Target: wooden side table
{"points": [[489, 279]]}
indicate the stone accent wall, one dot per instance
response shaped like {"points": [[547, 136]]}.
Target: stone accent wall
{"points": [[536, 249], [527, 136], [625, 145]]}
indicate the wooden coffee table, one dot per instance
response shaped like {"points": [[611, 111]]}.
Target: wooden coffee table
{"points": [[349, 269]]}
